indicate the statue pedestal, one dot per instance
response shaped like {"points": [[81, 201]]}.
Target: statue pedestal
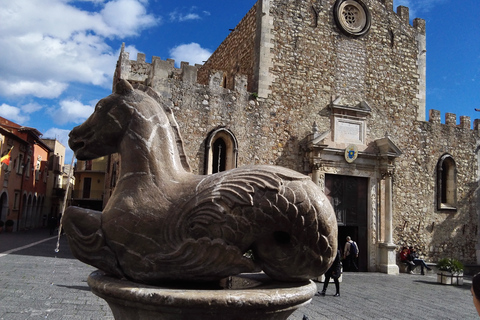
{"points": [[246, 296]]}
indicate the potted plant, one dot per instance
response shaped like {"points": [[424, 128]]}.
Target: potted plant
{"points": [[9, 226], [1, 225], [450, 271]]}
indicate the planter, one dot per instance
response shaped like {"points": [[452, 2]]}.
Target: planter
{"points": [[445, 277]]}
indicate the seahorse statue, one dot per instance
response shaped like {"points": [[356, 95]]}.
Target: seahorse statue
{"points": [[163, 223]]}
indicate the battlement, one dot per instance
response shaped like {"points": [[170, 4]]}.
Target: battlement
{"points": [[451, 120], [404, 14], [150, 74]]}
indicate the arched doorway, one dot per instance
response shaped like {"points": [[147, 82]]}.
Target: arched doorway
{"points": [[3, 207]]}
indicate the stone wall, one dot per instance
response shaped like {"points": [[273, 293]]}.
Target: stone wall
{"points": [[437, 233], [235, 55], [314, 64]]}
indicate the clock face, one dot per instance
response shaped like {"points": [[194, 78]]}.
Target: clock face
{"points": [[352, 17]]}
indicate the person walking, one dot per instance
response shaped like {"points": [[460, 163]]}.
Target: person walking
{"points": [[350, 255], [334, 272]]}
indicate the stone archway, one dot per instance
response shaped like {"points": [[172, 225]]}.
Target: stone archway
{"points": [[221, 151]]}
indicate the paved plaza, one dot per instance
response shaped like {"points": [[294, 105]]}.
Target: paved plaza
{"points": [[38, 283]]}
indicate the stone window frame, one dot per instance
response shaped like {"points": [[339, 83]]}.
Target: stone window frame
{"points": [[231, 153], [345, 27], [446, 183]]}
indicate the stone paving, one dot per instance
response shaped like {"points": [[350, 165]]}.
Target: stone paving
{"points": [[38, 283]]}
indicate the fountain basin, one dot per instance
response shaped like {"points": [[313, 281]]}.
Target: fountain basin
{"points": [[246, 296]]}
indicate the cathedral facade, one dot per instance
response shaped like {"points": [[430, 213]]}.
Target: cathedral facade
{"points": [[334, 89]]}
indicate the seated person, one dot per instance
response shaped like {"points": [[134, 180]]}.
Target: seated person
{"points": [[404, 257], [413, 256]]}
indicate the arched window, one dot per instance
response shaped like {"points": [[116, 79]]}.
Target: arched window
{"points": [[221, 151], [446, 183], [219, 155]]}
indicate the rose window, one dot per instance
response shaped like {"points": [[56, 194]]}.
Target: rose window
{"points": [[352, 17]]}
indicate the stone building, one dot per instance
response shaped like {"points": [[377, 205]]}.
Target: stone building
{"points": [[57, 180], [334, 89], [89, 188], [23, 179]]}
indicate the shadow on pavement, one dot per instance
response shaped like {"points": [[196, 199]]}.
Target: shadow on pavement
{"points": [[34, 243], [466, 284], [83, 288]]}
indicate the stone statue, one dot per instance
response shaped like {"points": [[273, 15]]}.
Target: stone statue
{"points": [[163, 223]]}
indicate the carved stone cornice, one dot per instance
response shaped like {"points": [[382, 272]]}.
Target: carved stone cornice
{"points": [[387, 171]]}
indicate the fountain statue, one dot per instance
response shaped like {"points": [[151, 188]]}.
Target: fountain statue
{"points": [[166, 227]]}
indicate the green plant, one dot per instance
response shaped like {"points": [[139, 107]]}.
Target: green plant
{"points": [[450, 265]]}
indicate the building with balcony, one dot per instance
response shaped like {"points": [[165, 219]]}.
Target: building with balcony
{"points": [[57, 180], [23, 177], [90, 183]]}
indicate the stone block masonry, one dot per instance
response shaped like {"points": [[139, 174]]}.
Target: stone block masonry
{"points": [[288, 66]]}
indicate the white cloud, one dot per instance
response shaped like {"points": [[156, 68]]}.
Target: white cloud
{"points": [[126, 17], [12, 113], [71, 111], [50, 89], [181, 16], [192, 53], [55, 133], [48, 44], [31, 107]]}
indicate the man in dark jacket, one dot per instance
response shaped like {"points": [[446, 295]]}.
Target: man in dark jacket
{"points": [[334, 272]]}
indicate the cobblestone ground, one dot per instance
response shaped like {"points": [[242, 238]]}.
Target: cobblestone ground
{"points": [[38, 283]]}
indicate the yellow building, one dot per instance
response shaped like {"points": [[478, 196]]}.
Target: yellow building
{"points": [[90, 183]]}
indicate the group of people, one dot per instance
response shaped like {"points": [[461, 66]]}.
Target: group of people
{"points": [[410, 257], [350, 256], [407, 255]]}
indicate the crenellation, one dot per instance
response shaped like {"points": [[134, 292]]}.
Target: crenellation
{"points": [[404, 14], [240, 81], [450, 119], [434, 116], [420, 25], [139, 70], [465, 122], [161, 69], [216, 80], [388, 4], [141, 57], [154, 73], [189, 73], [476, 125]]}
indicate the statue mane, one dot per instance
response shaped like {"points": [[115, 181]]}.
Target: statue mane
{"points": [[171, 118]]}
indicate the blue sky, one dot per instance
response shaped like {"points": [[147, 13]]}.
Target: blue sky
{"points": [[57, 57]]}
